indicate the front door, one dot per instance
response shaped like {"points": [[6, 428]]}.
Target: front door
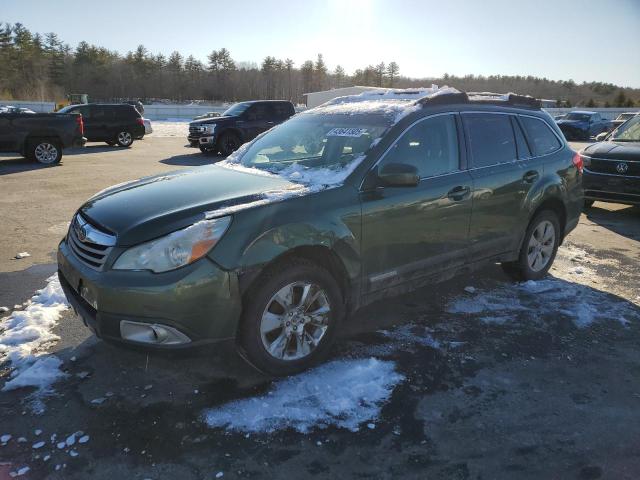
{"points": [[411, 232], [257, 120]]}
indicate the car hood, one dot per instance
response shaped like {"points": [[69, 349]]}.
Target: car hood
{"points": [[614, 150], [154, 206], [209, 121]]}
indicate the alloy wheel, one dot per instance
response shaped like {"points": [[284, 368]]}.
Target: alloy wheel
{"points": [[295, 320], [541, 245], [46, 153], [125, 138]]}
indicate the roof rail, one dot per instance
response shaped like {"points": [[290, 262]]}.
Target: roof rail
{"points": [[508, 98], [482, 97]]}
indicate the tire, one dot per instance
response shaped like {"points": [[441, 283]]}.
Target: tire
{"points": [[273, 322], [532, 252], [124, 138], [228, 143], [206, 151], [588, 203], [44, 151]]}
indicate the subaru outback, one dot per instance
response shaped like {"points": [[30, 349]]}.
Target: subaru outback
{"points": [[363, 197]]}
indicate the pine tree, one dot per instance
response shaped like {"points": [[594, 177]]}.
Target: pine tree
{"points": [[380, 72], [338, 76], [393, 70], [320, 73]]}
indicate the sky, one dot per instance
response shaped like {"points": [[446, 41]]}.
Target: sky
{"points": [[588, 40]]}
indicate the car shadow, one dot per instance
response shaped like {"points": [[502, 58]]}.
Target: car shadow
{"points": [[100, 148], [20, 164], [192, 159], [625, 221]]}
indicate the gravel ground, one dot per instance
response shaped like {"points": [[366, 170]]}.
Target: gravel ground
{"points": [[529, 381]]}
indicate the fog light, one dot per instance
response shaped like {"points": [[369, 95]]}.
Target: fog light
{"points": [[152, 333]]}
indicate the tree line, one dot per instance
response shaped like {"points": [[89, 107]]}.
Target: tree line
{"points": [[44, 68]]}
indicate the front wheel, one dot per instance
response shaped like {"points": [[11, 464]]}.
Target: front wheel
{"points": [[124, 139], [538, 250], [290, 318], [228, 143], [46, 152], [206, 150]]}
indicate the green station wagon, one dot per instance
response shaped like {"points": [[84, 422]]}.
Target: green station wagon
{"points": [[363, 197]]}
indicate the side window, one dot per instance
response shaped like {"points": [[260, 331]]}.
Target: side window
{"points": [[541, 138], [430, 145], [257, 112], [491, 138], [281, 110]]}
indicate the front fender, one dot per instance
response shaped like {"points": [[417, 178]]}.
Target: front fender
{"points": [[327, 220]]}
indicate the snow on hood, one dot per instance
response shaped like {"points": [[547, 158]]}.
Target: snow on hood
{"points": [[344, 393], [23, 336]]}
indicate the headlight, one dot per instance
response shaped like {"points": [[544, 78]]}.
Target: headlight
{"points": [[176, 249], [210, 128]]}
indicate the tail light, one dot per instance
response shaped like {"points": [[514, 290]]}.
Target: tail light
{"points": [[578, 162], [140, 121], [80, 123]]}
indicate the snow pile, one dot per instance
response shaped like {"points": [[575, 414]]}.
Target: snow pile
{"points": [[550, 297], [344, 393], [24, 333], [170, 128]]}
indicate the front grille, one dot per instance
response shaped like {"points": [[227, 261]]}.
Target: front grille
{"points": [[90, 245], [195, 130], [610, 167]]}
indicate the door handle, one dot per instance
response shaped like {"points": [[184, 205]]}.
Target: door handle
{"points": [[458, 193], [530, 177]]}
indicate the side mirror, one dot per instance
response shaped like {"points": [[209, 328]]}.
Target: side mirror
{"points": [[398, 175], [602, 136]]}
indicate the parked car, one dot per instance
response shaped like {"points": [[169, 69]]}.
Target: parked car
{"points": [[581, 125], [240, 123], [40, 137], [207, 115], [12, 109], [148, 129], [560, 117], [612, 167], [361, 198], [623, 117], [118, 123]]}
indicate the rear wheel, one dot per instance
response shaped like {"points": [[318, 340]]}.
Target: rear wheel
{"points": [[124, 139], [228, 143], [538, 249], [45, 151], [290, 318]]}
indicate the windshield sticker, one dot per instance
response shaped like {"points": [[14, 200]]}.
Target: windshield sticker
{"points": [[346, 132]]}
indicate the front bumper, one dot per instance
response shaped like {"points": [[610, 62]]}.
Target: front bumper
{"points": [[606, 187], [204, 138], [199, 300]]}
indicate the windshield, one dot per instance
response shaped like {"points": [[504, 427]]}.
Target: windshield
{"points": [[629, 131], [583, 117], [315, 141], [236, 109], [625, 116]]}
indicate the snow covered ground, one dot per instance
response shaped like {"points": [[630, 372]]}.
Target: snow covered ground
{"points": [[24, 336], [170, 128]]}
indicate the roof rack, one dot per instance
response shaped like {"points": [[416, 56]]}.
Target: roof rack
{"points": [[482, 97]]}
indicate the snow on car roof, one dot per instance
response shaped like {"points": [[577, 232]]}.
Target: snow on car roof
{"points": [[397, 103]]}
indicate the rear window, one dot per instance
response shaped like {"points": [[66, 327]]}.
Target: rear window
{"points": [[542, 140], [490, 138]]}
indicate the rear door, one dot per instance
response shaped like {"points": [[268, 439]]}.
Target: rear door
{"points": [[410, 232], [503, 171]]}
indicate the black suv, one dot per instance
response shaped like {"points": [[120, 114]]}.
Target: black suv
{"points": [[117, 123], [240, 123]]}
